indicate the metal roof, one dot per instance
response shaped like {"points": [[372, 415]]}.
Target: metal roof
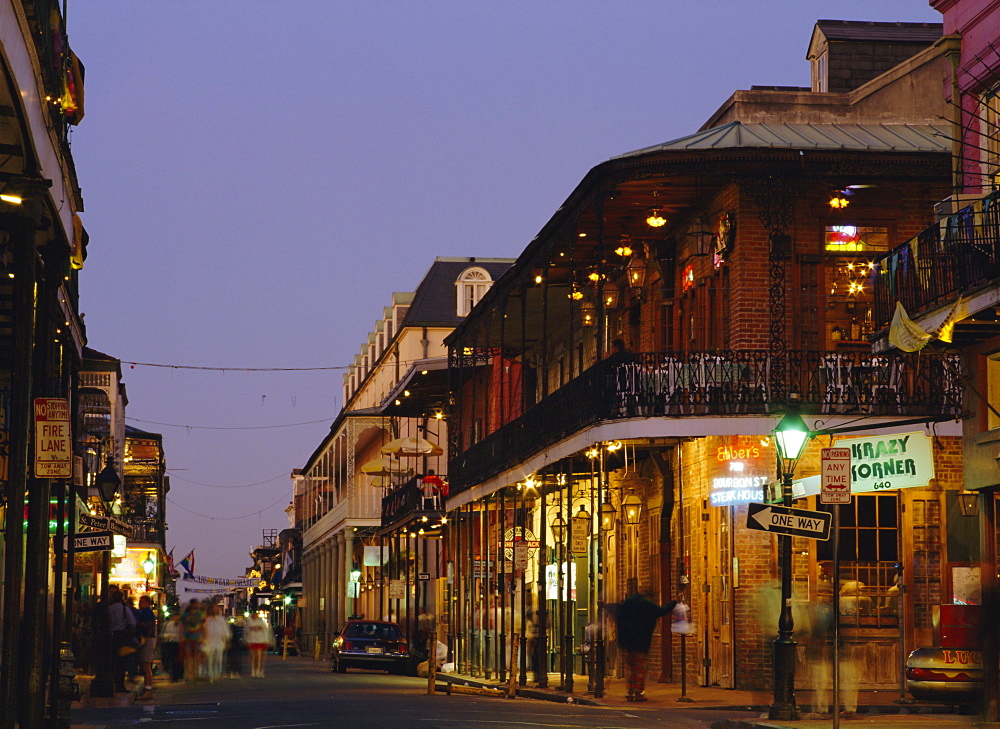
{"points": [[907, 138]]}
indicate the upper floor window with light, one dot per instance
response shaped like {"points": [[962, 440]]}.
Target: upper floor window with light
{"points": [[470, 287]]}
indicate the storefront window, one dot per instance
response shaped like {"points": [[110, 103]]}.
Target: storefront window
{"points": [[869, 553]]}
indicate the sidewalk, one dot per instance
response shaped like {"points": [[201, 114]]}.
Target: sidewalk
{"points": [[875, 708]]}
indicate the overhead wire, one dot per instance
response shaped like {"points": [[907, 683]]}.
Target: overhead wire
{"points": [[227, 518], [232, 427], [217, 486]]}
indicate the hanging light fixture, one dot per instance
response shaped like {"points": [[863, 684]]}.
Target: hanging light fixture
{"points": [[611, 295], [558, 527], [583, 513], [608, 515], [968, 503], [655, 219], [636, 271], [631, 508], [838, 201], [588, 313]]}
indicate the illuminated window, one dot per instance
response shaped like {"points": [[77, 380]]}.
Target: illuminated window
{"points": [[687, 277], [993, 390], [855, 239], [989, 140], [470, 287]]}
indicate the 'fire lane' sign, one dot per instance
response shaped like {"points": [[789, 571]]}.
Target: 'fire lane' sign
{"points": [[53, 441], [784, 520]]}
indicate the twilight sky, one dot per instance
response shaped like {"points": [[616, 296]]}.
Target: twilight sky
{"points": [[259, 177]]}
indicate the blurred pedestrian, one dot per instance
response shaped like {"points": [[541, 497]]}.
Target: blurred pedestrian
{"points": [[258, 637], [192, 632], [146, 631], [170, 648], [121, 623], [215, 642], [635, 619]]}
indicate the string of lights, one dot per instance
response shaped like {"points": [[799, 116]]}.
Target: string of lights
{"points": [[227, 518]]}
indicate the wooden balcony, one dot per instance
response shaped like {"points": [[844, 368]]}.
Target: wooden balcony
{"points": [[722, 383]]}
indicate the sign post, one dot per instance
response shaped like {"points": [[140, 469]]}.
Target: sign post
{"points": [[53, 439]]}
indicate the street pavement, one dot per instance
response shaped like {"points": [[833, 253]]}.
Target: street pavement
{"points": [[306, 682]]}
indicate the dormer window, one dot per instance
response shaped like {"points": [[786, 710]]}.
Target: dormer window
{"points": [[470, 287]]}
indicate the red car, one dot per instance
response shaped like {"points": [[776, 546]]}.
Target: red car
{"points": [[372, 644]]}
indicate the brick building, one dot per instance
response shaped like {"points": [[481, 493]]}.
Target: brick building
{"points": [[614, 394]]}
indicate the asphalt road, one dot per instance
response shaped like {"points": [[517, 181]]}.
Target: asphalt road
{"points": [[303, 693]]}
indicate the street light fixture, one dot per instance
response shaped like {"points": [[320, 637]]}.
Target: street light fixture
{"points": [[631, 507], [790, 436], [147, 566]]}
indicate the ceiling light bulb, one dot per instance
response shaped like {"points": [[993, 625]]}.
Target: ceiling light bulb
{"points": [[655, 220]]}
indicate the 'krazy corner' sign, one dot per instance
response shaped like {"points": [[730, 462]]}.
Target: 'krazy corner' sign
{"points": [[886, 462]]}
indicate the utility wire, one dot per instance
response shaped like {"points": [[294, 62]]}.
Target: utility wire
{"points": [[227, 518], [216, 486], [233, 369], [222, 427]]}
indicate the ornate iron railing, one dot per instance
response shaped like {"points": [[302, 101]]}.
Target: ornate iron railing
{"points": [[691, 384], [404, 501], [147, 531], [949, 258]]}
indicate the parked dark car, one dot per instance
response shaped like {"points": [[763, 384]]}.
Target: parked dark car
{"points": [[371, 644]]}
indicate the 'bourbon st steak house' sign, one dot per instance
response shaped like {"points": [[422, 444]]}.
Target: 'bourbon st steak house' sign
{"points": [[886, 462]]}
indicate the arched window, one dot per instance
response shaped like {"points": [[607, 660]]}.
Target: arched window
{"points": [[470, 286]]}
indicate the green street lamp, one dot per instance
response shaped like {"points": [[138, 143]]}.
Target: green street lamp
{"points": [[790, 436]]}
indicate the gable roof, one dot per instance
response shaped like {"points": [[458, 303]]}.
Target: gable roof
{"points": [[865, 30], [435, 301]]}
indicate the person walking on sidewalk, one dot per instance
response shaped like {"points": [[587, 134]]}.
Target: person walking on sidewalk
{"points": [[192, 633], [146, 630], [170, 648], [217, 637], [635, 619], [258, 636]]}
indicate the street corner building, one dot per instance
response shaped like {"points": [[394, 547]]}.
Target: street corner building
{"points": [[608, 404]]}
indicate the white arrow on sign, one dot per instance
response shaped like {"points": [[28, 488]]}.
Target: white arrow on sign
{"points": [[785, 520]]}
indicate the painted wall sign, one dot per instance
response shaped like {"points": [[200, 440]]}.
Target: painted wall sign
{"points": [[887, 462]]}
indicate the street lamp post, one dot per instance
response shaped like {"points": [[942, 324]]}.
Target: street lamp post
{"points": [[790, 436], [108, 482]]}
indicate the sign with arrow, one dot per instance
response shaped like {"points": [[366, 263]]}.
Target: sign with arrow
{"points": [[785, 520], [91, 542]]}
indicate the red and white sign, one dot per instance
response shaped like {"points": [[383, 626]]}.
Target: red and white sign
{"points": [[53, 438], [835, 476]]}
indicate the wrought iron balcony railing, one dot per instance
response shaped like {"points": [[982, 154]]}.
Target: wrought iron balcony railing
{"points": [[147, 531], [406, 500], [950, 258], [692, 384]]}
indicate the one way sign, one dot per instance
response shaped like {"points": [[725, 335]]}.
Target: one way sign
{"points": [[90, 542], [783, 520]]}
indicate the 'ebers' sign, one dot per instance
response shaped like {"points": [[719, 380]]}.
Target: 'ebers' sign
{"points": [[885, 462]]}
